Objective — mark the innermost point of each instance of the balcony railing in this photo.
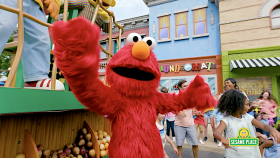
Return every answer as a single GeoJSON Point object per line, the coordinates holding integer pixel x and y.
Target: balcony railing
{"type": "Point", "coordinates": [19, 44]}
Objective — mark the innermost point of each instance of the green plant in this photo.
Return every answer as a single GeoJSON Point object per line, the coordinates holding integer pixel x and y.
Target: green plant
{"type": "Point", "coordinates": [5, 60]}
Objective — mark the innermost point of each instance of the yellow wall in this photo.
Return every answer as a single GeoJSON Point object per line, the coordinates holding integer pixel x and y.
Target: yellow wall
{"type": "Point", "coordinates": [245, 34]}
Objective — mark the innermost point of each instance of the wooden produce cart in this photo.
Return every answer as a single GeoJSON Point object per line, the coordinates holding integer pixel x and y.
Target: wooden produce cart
{"type": "Point", "coordinates": [53, 130]}
{"type": "Point", "coordinates": [29, 117]}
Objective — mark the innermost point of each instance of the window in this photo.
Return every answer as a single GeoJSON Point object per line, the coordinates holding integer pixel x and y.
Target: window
{"type": "Point", "coordinates": [171, 83]}
{"type": "Point", "coordinates": [116, 45]}
{"type": "Point", "coordinates": [164, 28]}
{"type": "Point", "coordinates": [275, 17]}
{"type": "Point", "coordinates": [212, 85]}
{"type": "Point", "coordinates": [163, 83]}
{"type": "Point", "coordinates": [102, 54]}
{"type": "Point", "coordinates": [174, 85]}
{"type": "Point", "coordinates": [200, 21]}
{"type": "Point", "coordinates": [181, 25]}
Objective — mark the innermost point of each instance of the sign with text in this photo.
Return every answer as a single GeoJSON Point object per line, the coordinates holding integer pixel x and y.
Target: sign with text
{"type": "Point", "coordinates": [243, 139]}
{"type": "Point", "coordinates": [254, 86]}
{"type": "Point", "coordinates": [188, 67]}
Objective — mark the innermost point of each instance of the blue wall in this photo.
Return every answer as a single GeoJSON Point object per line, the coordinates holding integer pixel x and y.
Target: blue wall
{"type": "Point", "coordinates": [192, 47]}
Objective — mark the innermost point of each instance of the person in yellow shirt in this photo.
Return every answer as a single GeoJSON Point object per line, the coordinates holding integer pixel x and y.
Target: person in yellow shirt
{"type": "Point", "coordinates": [87, 8]}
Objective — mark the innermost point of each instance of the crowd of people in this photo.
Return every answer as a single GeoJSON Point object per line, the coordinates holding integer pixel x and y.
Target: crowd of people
{"type": "Point", "coordinates": [233, 112]}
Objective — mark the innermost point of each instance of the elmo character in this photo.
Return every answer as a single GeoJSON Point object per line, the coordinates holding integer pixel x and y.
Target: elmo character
{"type": "Point", "coordinates": [132, 100]}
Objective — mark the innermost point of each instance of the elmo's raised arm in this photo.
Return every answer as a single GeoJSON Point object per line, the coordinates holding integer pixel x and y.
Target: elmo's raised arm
{"type": "Point", "coordinates": [77, 55]}
{"type": "Point", "coordinates": [197, 95]}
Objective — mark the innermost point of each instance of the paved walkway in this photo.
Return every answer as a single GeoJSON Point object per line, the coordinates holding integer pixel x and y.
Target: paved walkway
{"type": "Point", "coordinates": [187, 153]}
{"type": "Point", "coordinates": [209, 145]}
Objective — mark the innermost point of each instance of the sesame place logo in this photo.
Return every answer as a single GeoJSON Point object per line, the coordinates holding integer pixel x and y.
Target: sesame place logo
{"type": "Point", "coordinates": [243, 139]}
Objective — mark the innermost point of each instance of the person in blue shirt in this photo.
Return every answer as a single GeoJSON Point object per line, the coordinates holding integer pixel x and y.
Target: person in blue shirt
{"type": "Point", "coordinates": [265, 120]}
{"type": "Point", "coordinates": [272, 149]}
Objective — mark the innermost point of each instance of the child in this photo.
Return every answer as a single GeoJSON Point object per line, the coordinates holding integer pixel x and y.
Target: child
{"type": "Point", "coordinates": [217, 118]}
{"type": "Point", "coordinates": [164, 90]}
{"type": "Point", "coordinates": [265, 121]}
{"type": "Point", "coordinates": [235, 105]}
{"type": "Point", "coordinates": [262, 138]}
{"type": "Point", "coordinates": [199, 124]}
{"type": "Point", "coordinates": [164, 137]}
{"type": "Point", "coordinates": [272, 149]}
{"type": "Point", "coordinates": [170, 119]}
{"type": "Point", "coordinates": [259, 118]}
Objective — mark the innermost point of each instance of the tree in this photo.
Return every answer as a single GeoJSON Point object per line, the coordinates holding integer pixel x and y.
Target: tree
{"type": "Point", "coordinates": [5, 60]}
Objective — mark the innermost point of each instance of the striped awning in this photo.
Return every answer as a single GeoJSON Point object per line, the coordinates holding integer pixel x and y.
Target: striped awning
{"type": "Point", "coordinates": [251, 63]}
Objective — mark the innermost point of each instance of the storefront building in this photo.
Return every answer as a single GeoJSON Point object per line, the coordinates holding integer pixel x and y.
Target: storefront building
{"type": "Point", "coordinates": [209, 67]}
{"type": "Point", "coordinates": [188, 41]}
{"type": "Point", "coordinates": [255, 70]}
{"type": "Point", "coordinates": [250, 45]}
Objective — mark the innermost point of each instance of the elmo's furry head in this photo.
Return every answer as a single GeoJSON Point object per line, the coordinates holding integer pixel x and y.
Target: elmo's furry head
{"type": "Point", "coordinates": [134, 70]}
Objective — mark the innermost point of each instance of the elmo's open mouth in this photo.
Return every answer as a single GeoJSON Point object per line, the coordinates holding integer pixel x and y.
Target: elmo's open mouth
{"type": "Point", "coordinates": [134, 73]}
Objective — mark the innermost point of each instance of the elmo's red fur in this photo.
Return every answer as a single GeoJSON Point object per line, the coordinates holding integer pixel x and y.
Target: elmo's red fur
{"type": "Point", "coordinates": [130, 104]}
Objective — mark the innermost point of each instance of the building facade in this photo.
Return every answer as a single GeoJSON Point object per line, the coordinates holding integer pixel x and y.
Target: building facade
{"type": "Point", "coordinates": [138, 25]}
{"type": "Point", "coordinates": [188, 41]}
{"type": "Point", "coordinates": [250, 45]}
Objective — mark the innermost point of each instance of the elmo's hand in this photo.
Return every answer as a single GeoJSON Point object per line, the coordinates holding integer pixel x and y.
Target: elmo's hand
{"type": "Point", "coordinates": [76, 46]}
{"type": "Point", "coordinates": [77, 54]}
{"type": "Point", "coordinates": [53, 8]}
{"type": "Point", "coordinates": [199, 94]}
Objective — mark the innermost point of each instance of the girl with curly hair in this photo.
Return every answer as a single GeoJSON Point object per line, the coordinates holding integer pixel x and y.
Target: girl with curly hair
{"type": "Point", "coordinates": [235, 106]}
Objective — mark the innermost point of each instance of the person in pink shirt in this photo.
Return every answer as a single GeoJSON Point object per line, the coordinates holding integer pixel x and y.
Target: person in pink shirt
{"type": "Point", "coordinates": [184, 127]}
{"type": "Point", "coordinates": [268, 105]}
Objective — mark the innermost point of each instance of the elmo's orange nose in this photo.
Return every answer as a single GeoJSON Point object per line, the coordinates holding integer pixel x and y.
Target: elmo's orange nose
{"type": "Point", "coordinates": [141, 50]}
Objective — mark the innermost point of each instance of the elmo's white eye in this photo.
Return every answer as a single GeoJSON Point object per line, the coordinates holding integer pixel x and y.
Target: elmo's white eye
{"type": "Point", "coordinates": [133, 38]}
{"type": "Point", "coordinates": [150, 41]}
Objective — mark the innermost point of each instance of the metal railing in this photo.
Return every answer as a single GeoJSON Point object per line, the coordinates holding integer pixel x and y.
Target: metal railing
{"type": "Point", "coordinates": [22, 14]}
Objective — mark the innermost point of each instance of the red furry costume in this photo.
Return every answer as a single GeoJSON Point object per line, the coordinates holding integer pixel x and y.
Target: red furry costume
{"type": "Point", "coordinates": [132, 100]}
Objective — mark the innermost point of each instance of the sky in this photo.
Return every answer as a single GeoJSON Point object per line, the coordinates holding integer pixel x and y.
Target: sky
{"type": "Point", "coordinates": [125, 9]}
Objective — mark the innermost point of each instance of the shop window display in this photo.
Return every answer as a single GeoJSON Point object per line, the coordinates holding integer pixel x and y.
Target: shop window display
{"type": "Point", "coordinates": [171, 83]}
{"type": "Point", "coordinates": [174, 84]}
{"type": "Point", "coordinates": [181, 25]}
{"type": "Point", "coordinates": [164, 28]}
{"type": "Point", "coordinates": [254, 86]}
{"type": "Point", "coordinates": [200, 21]}
{"type": "Point", "coordinates": [163, 83]}
{"type": "Point", "coordinates": [212, 85]}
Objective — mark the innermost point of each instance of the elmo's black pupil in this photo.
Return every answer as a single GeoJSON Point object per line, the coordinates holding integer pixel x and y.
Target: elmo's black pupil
{"type": "Point", "coordinates": [135, 39]}
{"type": "Point", "coordinates": [149, 42]}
